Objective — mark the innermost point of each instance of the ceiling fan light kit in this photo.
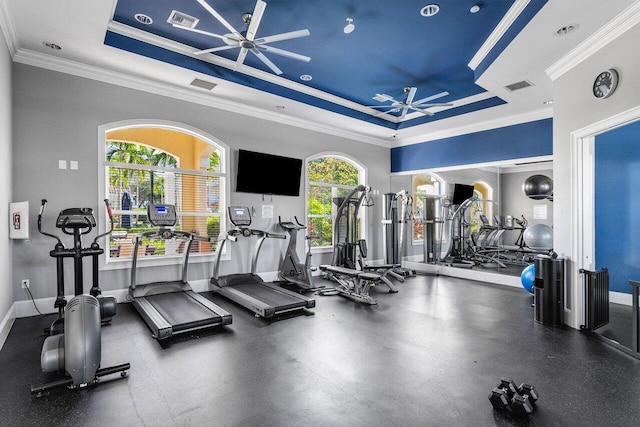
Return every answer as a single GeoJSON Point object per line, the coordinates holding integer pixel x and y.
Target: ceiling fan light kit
{"type": "Point", "coordinates": [348, 29]}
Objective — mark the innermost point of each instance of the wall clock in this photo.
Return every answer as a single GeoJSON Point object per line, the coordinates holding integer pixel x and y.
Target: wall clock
{"type": "Point", "coordinates": [605, 84]}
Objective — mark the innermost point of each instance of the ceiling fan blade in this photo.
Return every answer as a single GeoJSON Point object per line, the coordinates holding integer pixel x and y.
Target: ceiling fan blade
{"type": "Point", "coordinates": [266, 61]}
{"type": "Point", "coordinates": [215, 49]}
{"type": "Point", "coordinates": [206, 33]}
{"type": "Point", "coordinates": [240, 60]}
{"type": "Point", "coordinates": [383, 112]}
{"type": "Point", "coordinates": [283, 36]}
{"type": "Point", "coordinates": [447, 104]}
{"type": "Point", "coordinates": [425, 112]}
{"type": "Point", "coordinates": [432, 97]}
{"type": "Point", "coordinates": [382, 97]}
{"type": "Point", "coordinates": [285, 53]}
{"type": "Point", "coordinates": [219, 17]}
{"type": "Point", "coordinates": [392, 110]}
{"type": "Point", "coordinates": [404, 112]}
{"type": "Point", "coordinates": [256, 17]}
{"type": "Point", "coordinates": [411, 95]}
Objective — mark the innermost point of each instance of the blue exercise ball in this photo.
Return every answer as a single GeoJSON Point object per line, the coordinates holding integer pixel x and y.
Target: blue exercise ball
{"type": "Point", "coordinates": [527, 278]}
{"type": "Point", "coordinates": [539, 237]}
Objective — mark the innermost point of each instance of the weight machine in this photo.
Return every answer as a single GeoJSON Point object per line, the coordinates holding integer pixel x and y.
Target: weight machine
{"type": "Point", "coordinates": [348, 265]}
{"type": "Point", "coordinates": [398, 210]}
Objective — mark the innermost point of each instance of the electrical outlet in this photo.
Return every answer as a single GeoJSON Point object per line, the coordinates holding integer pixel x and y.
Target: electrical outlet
{"type": "Point", "coordinates": [25, 283]}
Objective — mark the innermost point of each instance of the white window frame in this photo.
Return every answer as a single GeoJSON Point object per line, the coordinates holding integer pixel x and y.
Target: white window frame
{"type": "Point", "coordinates": [362, 179]}
{"type": "Point", "coordinates": [102, 189]}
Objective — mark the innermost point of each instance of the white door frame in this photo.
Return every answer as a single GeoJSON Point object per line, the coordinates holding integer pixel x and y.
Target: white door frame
{"type": "Point", "coordinates": [582, 202]}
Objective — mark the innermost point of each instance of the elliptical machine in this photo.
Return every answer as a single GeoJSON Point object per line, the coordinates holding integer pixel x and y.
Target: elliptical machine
{"type": "Point", "coordinates": [74, 342]}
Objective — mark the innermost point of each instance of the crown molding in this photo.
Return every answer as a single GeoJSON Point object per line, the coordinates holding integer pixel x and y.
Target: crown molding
{"type": "Point", "coordinates": [7, 27]}
{"type": "Point", "coordinates": [39, 60]}
{"type": "Point", "coordinates": [505, 23]}
{"type": "Point", "coordinates": [605, 35]}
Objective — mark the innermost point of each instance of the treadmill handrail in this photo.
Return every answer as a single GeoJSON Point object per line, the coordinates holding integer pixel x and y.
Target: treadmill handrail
{"type": "Point", "coordinates": [232, 235]}
{"type": "Point", "coordinates": [166, 234]}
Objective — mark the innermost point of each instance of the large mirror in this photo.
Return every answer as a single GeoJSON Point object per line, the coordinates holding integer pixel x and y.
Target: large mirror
{"type": "Point", "coordinates": [480, 218]}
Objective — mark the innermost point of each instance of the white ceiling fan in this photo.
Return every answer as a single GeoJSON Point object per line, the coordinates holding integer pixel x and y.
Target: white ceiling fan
{"type": "Point", "coordinates": [408, 103]}
{"type": "Point", "coordinates": [246, 40]}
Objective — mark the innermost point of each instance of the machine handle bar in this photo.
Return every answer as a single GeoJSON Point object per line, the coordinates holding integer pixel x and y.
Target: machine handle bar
{"type": "Point", "coordinates": [111, 222]}
{"type": "Point", "coordinates": [40, 214]}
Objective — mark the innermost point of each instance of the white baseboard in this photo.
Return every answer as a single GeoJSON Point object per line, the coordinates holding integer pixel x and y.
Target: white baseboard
{"type": "Point", "coordinates": [25, 308]}
{"type": "Point", "coordinates": [620, 298]}
{"type": "Point", "coordinates": [500, 279]}
{"type": "Point", "coordinates": [465, 273]}
{"type": "Point", "coordinates": [7, 323]}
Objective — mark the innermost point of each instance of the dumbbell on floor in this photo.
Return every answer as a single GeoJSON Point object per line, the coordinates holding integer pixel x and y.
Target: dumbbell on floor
{"type": "Point", "coordinates": [516, 400]}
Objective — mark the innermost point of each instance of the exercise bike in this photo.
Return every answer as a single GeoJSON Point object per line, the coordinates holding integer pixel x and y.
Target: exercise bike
{"type": "Point", "coordinates": [73, 346]}
{"type": "Point", "coordinates": [291, 269]}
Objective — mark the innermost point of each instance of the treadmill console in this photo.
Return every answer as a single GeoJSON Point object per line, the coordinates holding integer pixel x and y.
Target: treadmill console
{"type": "Point", "coordinates": [240, 216]}
{"type": "Point", "coordinates": [161, 215]}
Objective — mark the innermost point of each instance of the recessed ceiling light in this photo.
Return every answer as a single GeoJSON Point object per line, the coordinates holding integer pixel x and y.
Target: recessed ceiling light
{"type": "Point", "coordinates": [563, 31]}
{"type": "Point", "coordinates": [305, 77]}
{"type": "Point", "coordinates": [143, 19]}
{"type": "Point", "coordinates": [52, 45]}
{"type": "Point", "coordinates": [475, 8]}
{"type": "Point", "coordinates": [430, 10]}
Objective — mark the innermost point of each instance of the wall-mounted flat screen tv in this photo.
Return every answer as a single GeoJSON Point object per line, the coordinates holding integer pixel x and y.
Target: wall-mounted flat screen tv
{"type": "Point", "coordinates": [461, 192]}
{"type": "Point", "coordinates": [263, 173]}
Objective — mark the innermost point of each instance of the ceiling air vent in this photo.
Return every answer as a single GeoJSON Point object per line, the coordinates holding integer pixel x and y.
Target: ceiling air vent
{"type": "Point", "coordinates": [143, 19]}
{"type": "Point", "coordinates": [430, 10]}
{"type": "Point", "coordinates": [519, 85]}
{"type": "Point", "coordinates": [182, 19]}
{"type": "Point", "coordinates": [202, 84]}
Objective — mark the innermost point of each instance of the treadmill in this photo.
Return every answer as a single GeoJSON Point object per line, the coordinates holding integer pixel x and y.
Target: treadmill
{"type": "Point", "coordinates": [248, 289]}
{"type": "Point", "coordinates": [172, 307]}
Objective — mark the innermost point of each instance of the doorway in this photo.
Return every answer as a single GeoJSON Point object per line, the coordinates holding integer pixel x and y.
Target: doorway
{"type": "Point", "coordinates": [601, 170]}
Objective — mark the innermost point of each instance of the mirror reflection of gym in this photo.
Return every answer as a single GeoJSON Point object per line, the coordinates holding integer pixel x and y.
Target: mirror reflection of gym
{"type": "Point", "coordinates": [499, 225]}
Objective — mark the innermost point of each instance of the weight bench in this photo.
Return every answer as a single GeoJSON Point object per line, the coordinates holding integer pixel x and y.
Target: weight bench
{"type": "Point", "coordinates": [383, 270]}
{"type": "Point", "coordinates": [354, 284]}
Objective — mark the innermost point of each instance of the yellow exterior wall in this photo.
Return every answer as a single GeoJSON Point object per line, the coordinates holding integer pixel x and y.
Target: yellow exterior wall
{"type": "Point", "coordinates": [186, 148]}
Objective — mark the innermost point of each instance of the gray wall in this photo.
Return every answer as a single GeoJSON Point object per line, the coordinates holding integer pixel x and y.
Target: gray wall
{"type": "Point", "coordinates": [6, 288]}
{"type": "Point", "coordinates": [56, 117]}
{"type": "Point", "coordinates": [516, 204]}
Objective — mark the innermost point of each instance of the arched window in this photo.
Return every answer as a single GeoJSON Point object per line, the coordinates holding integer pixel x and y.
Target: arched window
{"type": "Point", "coordinates": [159, 163]}
{"type": "Point", "coordinates": [427, 184]}
{"type": "Point", "coordinates": [329, 177]}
